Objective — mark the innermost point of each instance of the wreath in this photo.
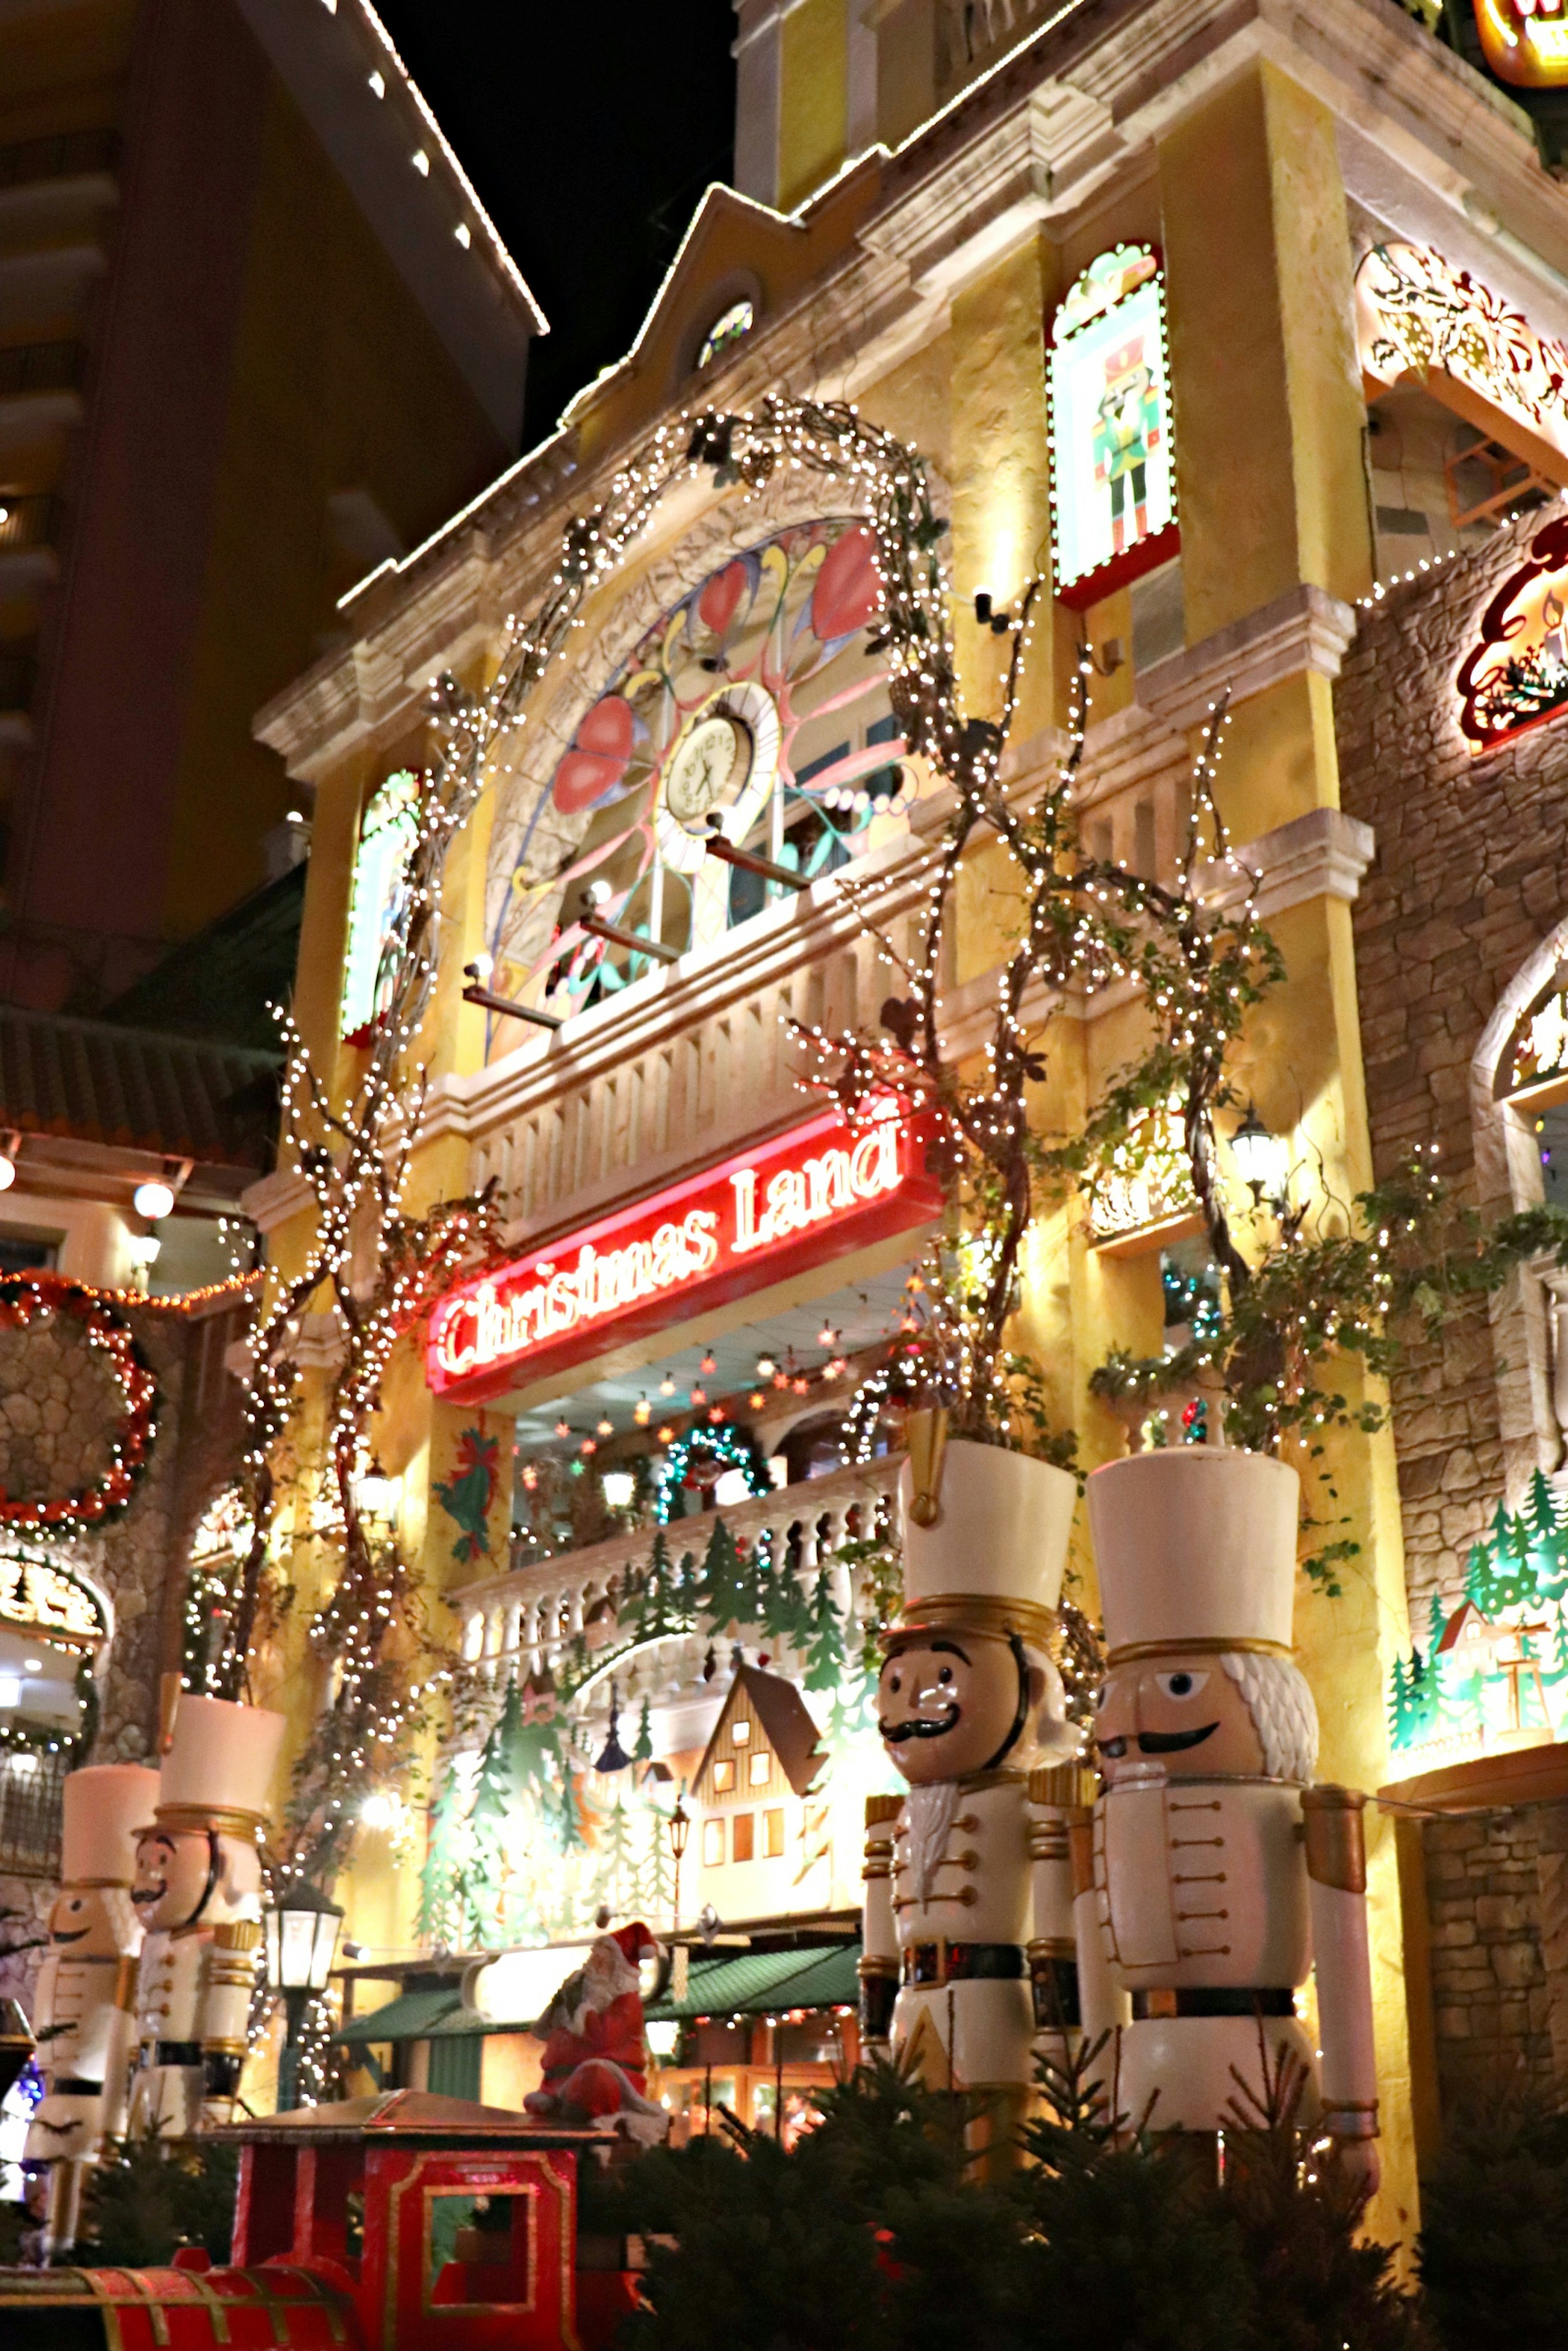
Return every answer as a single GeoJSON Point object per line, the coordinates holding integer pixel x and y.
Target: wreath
{"type": "Point", "coordinates": [27, 1297]}
{"type": "Point", "coordinates": [699, 1459]}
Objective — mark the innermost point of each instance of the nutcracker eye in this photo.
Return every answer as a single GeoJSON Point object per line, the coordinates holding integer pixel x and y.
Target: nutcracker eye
{"type": "Point", "coordinates": [1181, 1685]}
{"type": "Point", "coordinates": [945, 1673]}
{"type": "Point", "coordinates": [894, 1684]}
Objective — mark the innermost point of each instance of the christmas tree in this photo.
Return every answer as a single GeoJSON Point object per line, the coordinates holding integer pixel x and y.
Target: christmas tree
{"type": "Point", "coordinates": [722, 1593]}
{"type": "Point", "coordinates": [644, 1751]}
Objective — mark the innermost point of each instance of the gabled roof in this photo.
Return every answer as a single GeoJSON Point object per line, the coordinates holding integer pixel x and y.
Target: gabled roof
{"type": "Point", "coordinates": [786, 1722]}
{"type": "Point", "coordinates": [420, 2114]}
{"type": "Point", "coordinates": [1466, 1623]}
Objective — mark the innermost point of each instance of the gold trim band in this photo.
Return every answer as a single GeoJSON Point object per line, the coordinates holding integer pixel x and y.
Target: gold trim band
{"type": "Point", "coordinates": [229, 1820]}
{"type": "Point", "coordinates": [977, 1612]}
{"type": "Point", "coordinates": [1204, 1648]}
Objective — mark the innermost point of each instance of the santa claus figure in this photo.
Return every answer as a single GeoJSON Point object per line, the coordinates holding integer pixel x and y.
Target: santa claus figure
{"type": "Point", "coordinates": [595, 2062]}
{"type": "Point", "coordinates": [84, 2015]}
{"type": "Point", "coordinates": [1222, 1876]}
{"type": "Point", "coordinates": [199, 1892]}
{"type": "Point", "coordinates": [969, 1972]}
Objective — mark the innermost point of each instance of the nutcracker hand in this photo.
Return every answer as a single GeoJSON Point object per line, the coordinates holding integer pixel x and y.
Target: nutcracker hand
{"type": "Point", "coordinates": [1358, 2161]}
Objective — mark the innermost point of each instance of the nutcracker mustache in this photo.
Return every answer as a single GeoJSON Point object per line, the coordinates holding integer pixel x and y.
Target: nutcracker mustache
{"type": "Point", "coordinates": [921, 1726]}
{"type": "Point", "coordinates": [1159, 1742]}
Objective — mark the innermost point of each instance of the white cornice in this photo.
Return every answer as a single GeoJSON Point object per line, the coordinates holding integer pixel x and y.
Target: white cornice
{"type": "Point", "coordinates": [1302, 630]}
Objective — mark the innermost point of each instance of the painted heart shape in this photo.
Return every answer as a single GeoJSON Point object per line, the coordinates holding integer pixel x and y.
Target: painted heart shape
{"type": "Point", "coordinates": [597, 760]}
{"type": "Point", "coordinates": [720, 596]}
{"type": "Point", "coordinates": [848, 593]}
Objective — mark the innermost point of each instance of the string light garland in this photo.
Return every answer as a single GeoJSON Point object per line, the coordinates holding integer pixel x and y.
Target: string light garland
{"type": "Point", "coordinates": [28, 1298]}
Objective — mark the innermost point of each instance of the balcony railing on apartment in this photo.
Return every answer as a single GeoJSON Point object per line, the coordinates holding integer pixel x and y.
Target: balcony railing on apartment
{"type": "Point", "coordinates": [17, 670]}
{"type": "Point", "coordinates": [41, 367]}
{"type": "Point", "coordinates": [68, 155]}
{"type": "Point", "coordinates": [524, 1620]}
{"type": "Point", "coordinates": [31, 1809]}
{"type": "Point", "coordinates": [28, 522]}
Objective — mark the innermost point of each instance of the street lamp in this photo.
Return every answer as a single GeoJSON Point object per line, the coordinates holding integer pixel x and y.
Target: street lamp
{"type": "Point", "coordinates": [300, 1938]}
{"type": "Point", "coordinates": [680, 1828]}
{"type": "Point", "coordinates": [1259, 1155]}
{"type": "Point", "coordinates": [375, 1496]}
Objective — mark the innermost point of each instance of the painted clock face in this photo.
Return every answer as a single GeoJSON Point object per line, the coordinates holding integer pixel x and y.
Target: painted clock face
{"type": "Point", "coordinates": [709, 770]}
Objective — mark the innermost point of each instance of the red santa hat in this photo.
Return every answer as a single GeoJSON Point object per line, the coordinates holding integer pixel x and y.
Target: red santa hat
{"type": "Point", "coordinates": [632, 1941]}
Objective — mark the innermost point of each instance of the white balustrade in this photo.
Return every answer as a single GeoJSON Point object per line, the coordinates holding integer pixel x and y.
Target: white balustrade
{"type": "Point", "coordinates": [524, 1620]}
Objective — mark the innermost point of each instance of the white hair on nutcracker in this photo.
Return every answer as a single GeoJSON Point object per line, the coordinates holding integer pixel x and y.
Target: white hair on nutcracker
{"type": "Point", "coordinates": [1283, 1712]}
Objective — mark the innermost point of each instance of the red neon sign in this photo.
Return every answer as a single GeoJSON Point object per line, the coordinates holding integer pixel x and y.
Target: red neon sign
{"type": "Point", "coordinates": [814, 1193]}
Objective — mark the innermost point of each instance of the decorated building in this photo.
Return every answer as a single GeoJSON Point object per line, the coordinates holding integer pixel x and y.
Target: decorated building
{"type": "Point", "coordinates": [1231, 347]}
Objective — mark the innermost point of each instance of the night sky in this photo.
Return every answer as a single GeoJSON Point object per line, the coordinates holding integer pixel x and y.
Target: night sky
{"type": "Point", "coordinates": [589, 131]}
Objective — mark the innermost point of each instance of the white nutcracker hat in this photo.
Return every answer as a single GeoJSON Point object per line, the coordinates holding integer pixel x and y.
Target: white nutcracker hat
{"type": "Point", "coordinates": [105, 1805]}
{"type": "Point", "coordinates": [1196, 1551]}
{"type": "Point", "coordinates": [985, 1535]}
{"type": "Point", "coordinates": [218, 1760]}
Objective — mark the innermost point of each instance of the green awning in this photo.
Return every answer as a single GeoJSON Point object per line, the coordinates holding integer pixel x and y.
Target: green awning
{"type": "Point", "coordinates": [413, 2016]}
{"type": "Point", "coordinates": [762, 1983]}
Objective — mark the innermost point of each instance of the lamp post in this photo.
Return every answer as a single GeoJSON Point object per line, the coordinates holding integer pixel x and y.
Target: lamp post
{"type": "Point", "coordinates": [1259, 1155]}
{"type": "Point", "coordinates": [301, 1940]}
{"type": "Point", "coordinates": [375, 1497]}
{"type": "Point", "coordinates": [680, 1828]}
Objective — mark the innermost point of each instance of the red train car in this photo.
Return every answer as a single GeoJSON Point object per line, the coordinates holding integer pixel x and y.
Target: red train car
{"type": "Point", "coordinates": [404, 2223]}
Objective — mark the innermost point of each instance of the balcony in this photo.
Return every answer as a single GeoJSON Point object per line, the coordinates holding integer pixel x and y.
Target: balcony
{"type": "Point", "coordinates": [526, 1620]}
{"type": "Point", "coordinates": [68, 155]}
{"type": "Point", "coordinates": [29, 527]}
{"type": "Point", "coordinates": [31, 1810]}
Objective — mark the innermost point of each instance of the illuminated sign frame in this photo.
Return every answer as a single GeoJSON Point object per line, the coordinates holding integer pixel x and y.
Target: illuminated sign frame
{"type": "Point", "coordinates": [1112, 450]}
{"type": "Point", "coordinates": [39, 1595]}
{"type": "Point", "coordinates": [811, 1194]}
{"type": "Point", "coordinates": [1515, 676]}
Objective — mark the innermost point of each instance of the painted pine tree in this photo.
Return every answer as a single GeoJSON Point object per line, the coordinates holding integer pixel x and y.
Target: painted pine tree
{"type": "Point", "coordinates": [643, 1753]}
{"type": "Point", "coordinates": [618, 1873]}
{"type": "Point", "coordinates": [826, 1658]}
{"type": "Point", "coordinates": [656, 1882]}
{"type": "Point", "coordinates": [442, 1878]}
{"type": "Point", "coordinates": [490, 1824]}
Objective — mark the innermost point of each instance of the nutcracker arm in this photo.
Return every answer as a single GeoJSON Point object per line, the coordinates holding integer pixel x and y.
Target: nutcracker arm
{"type": "Point", "coordinates": [1337, 1871]}
{"type": "Point", "coordinates": [1102, 2003]}
{"type": "Point", "coordinates": [1054, 1794]}
{"type": "Point", "coordinates": [879, 1961]}
{"type": "Point", "coordinates": [222, 2009]}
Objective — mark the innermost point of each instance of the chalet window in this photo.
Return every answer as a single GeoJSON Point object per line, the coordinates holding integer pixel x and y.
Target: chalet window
{"type": "Point", "coordinates": [773, 1833]}
{"type": "Point", "coordinates": [761, 1772]}
{"type": "Point", "coordinates": [713, 1843]}
{"type": "Point", "coordinates": [724, 1775]}
{"type": "Point", "coordinates": [740, 1730]}
{"type": "Point", "coordinates": [745, 1833]}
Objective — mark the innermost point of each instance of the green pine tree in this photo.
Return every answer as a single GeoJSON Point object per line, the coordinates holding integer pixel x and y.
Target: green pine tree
{"type": "Point", "coordinates": [488, 1818]}
{"type": "Point", "coordinates": [644, 1751]}
{"type": "Point", "coordinates": [441, 1897]}
{"type": "Point", "coordinates": [721, 1597]}
{"type": "Point", "coordinates": [825, 1653]}
{"type": "Point", "coordinates": [656, 1881]}
{"type": "Point", "coordinates": [620, 1861]}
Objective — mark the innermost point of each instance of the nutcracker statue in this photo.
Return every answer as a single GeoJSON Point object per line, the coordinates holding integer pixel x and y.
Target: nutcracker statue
{"type": "Point", "coordinates": [87, 1986]}
{"type": "Point", "coordinates": [969, 1969]}
{"type": "Point", "coordinates": [1126, 434]}
{"type": "Point", "coordinates": [1220, 1873]}
{"type": "Point", "coordinates": [198, 1889]}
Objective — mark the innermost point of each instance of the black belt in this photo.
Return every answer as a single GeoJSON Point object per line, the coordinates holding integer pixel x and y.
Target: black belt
{"type": "Point", "coordinates": [1213, 2000]}
{"type": "Point", "coordinates": [178, 2052]}
{"type": "Point", "coordinates": [932, 1965]}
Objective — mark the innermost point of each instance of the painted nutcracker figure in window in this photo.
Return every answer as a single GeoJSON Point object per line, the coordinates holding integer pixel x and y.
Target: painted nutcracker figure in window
{"type": "Point", "coordinates": [84, 2016]}
{"type": "Point", "coordinates": [199, 1892]}
{"type": "Point", "coordinates": [1127, 427]}
{"type": "Point", "coordinates": [1222, 1876]}
{"type": "Point", "coordinates": [969, 1969]}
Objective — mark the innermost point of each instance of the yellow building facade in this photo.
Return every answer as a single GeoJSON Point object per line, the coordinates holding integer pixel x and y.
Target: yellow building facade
{"type": "Point", "coordinates": [913, 217]}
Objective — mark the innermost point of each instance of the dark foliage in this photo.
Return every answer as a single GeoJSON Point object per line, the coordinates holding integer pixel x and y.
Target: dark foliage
{"type": "Point", "coordinates": [1494, 2236]}
{"type": "Point", "coordinates": [140, 2209]}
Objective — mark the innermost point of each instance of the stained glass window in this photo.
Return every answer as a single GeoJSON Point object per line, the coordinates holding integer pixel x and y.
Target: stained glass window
{"type": "Point", "coordinates": [731, 327]}
{"type": "Point", "coordinates": [755, 701]}
{"type": "Point", "coordinates": [386, 836]}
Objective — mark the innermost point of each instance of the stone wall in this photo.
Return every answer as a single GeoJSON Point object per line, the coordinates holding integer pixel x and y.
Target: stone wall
{"type": "Point", "coordinates": [1469, 875]}
{"type": "Point", "coordinates": [1499, 1956]}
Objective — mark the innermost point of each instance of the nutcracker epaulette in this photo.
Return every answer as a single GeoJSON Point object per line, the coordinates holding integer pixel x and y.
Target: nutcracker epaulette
{"type": "Point", "coordinates": [238, 1935]}
{"type": "Point", "coordinates": [880, 1810]}
{"type": "Point", "coordinates": [1067, 1785]}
